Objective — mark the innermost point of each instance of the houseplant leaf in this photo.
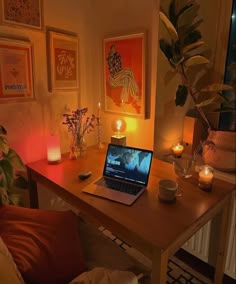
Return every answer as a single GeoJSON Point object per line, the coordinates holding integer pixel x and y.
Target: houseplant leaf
{"type": "Point", "coordinates": [190, 38]}
{"type": "Point", "coordinates": [166, 48]}
{"type": "Point", "coordinates": [15, 160]}
{"type": "Point", "coordinates": [216, 88]}
{"type": "Point", "coordinates": [180, 5]}
{"type": "Point", "coordinates": [188, 15]}
{"type": "Point", "coordinates": [169, 26]}
{"type": "Point", "coordinates": [7, 174]}
{"type": "Point", "coordinates": [192, 46]}
{"type": "Point", "coordinates": [3, 144]}
{"type": "Point", "coordinates": [181, 95]}
{"type": "Point", "coordinates": [196, 60]}
{"type": "Point", "coordinates": [4, 199]}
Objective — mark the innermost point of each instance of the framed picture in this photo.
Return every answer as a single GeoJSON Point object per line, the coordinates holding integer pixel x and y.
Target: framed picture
{"type": "Point", "coordinates": [124, 74]}
{"type": "Point", "coordinates": [62, 61]}
{"type": "Point", "coordinates": [16, 77]}
{"type": "Point", "coordinates": [23, 13]}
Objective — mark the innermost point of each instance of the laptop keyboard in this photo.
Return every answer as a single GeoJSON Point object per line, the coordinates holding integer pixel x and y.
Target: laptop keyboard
{"type": "Point", "coordinates": [119, 186]}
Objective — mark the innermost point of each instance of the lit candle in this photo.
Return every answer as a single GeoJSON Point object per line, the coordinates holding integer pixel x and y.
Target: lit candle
{"type": "Point", "coordinates": [99, 110]}
{"type": "Point", "coordinates": [53, 150]}
{"type": "Point", "coordinates": [178, 149]}
{"type": "Point", "coordinates": [205, 177]}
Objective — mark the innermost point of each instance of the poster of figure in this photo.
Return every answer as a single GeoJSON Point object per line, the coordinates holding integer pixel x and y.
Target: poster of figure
{"type": "Point", "coordinates": [16, 79]}
{"type": "Point", "coordinates": [124, 73]}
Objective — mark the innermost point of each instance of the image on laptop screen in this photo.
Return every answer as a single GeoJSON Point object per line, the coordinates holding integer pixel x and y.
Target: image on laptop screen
{"type": "Point", "coordinates": [128, 163]}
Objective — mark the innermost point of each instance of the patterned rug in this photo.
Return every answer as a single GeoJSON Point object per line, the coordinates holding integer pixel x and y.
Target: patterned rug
{"type": "Point", "coordinates": [178, 272]}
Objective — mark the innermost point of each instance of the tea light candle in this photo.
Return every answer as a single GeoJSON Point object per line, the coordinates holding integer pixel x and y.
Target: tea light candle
{"type": "Point", "coordinates": [205, 177]}
{"type": "Point", "coordinates": [178, 149]}
{"type": "Point", "coordinates": [53, 150]}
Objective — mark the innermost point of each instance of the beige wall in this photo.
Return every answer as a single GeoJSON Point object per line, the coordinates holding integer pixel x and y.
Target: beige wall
{"type": "Point", "coordinates": [29, 123]}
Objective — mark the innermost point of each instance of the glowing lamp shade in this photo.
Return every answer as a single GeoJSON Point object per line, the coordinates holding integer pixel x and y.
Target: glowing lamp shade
{"type": "Point", "coordinates": [53, 149]}
{"type": "Point", "coordinates": [118, 126]}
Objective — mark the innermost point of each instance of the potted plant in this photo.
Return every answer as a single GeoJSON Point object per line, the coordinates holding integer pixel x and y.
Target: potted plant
{"type": "Point", "coordinates": [12, 172]}
{"type": "Point", "coordinates": [184, 50]}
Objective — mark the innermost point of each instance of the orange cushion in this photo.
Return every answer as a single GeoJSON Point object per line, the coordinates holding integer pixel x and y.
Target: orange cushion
{"type": "Point", "coordinates": [44, 244]}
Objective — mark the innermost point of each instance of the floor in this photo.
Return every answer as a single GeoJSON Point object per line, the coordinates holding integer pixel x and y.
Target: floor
{"type": "Point", "coordinates": [201, 266]}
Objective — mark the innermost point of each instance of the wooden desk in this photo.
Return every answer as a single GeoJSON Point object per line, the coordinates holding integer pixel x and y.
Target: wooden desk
{"type": "Point", "coordinates": [157, 229]}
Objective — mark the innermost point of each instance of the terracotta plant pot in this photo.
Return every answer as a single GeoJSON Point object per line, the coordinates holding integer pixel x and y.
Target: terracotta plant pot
{"type": "Point", "coordinates": [223, 157]}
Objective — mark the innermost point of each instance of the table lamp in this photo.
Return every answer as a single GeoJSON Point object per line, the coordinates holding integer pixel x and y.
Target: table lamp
{"type": "Point", "coordinates": [118, 126]}
{"type": "Point", "coordinates": [53, 150]}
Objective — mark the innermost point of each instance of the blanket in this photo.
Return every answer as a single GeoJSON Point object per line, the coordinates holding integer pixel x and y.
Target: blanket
{"type": "Point", "coordinates": [100, 275]}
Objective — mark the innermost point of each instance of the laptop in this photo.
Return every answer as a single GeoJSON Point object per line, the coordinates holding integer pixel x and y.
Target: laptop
{"type": "Point", "coordinates": [125, 174]}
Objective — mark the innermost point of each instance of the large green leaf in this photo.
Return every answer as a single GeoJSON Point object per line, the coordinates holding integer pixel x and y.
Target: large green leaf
{"type": "Point", "coordinates": [196, 60]}
{"type": "Point", "coordinates": [191, 37]}
{"type": "Point", "coordinates": [185, 30]}
{"type": "Point", "coordinates": [7, 174]}
{"type": "Point", "coordinates": [3, 144]}
{"type": "Point", "coordinates": [169, 26]}
{"type": "Point", "coordinates": [188, 15]}
{"type": "Point", "coordinates": [4, 199]}
{"type": "Point", "coordinates": [166, 48]}
{"type": "Point", "coordinates": [216, 88]}
{"type": "Point", "coordinates": [192, 46]}
{"type": "Point", "coordinates": [15, 160]}
{"type": "Point", "coordinates": [180, 5]}
{"type": "Point", "coordinates": [3, 130]}
{"type": "Point", "coordinates": [214, 100]}
{"type": "Point", "coordinates": [172, 14]}
{"type": "Point", "coordinates": [181, 95]}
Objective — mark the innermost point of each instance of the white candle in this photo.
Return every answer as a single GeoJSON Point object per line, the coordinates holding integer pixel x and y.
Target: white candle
{"type": "Point", "coordinates": [205, 175]}
{"type": "Point", "coordinates": [178, 149]}
{"type": "Point", "coordinates": [99, 110]}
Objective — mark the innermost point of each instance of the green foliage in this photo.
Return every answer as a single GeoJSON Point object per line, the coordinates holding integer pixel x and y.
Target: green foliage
{"type": "Point", "coordinates": [181, 95]}
{"type": "Point", "coordinates": [183, 51]}
{"type": "Point", "coordinates": [10, 167]}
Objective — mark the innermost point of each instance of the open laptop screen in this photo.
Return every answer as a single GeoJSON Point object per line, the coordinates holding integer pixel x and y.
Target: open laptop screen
{"type": "Point", "coordinates": [128, 163]}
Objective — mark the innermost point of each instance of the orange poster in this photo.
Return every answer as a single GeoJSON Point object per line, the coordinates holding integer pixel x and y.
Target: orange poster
{"type": "Point", "coordinates": [125, 74]}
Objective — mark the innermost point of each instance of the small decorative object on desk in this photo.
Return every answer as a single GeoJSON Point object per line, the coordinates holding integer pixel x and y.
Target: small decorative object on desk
{"type": "Point", "coordinates": [177, 150]}
{"type": "Point", "coordinates": [206, 174]}
{"type": "Point", "coordinates": [184, 166]}
{"type": "Point", "coordinates": [79, 125]}
{"type": "Point", "coordinates": [99, 123]}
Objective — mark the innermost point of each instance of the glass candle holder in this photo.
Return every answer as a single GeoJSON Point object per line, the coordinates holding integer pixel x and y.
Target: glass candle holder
{"type": "Point", "coordinates": [177, 150]}
{"type": "Point", "coordinates": [205, 179]}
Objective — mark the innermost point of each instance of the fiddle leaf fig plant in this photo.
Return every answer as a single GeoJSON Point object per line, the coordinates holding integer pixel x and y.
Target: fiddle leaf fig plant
{"type": "Point", "coordinates": [184, 51]}
{"type": "Point", "coordinates": [12, 172]}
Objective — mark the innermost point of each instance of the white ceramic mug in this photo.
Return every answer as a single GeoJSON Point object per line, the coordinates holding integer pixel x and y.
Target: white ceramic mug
{"type": "Point", "coordinates": [169, 190]}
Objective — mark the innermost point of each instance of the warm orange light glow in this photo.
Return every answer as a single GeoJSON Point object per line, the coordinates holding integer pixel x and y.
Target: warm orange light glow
{"type": "Point", "coordinates": [205, 175]}
{"type": "Point", "coordinates": [132, 125]}
{"type": "Point", "coordinates": [99, 110]}
{"type": "Point", "coordinates": [178, 149]}
{"type": "Point", "coordinates": [53, 149]}
{"type": "Point", "coordinates": [118, 126]}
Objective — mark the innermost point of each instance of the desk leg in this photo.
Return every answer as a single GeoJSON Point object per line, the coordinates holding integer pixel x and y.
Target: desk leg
{"type": "Point", "coordinates": [224, 230]}
{"type": "Point", "coordinates": [159, 267]}
{"type": "Point", "coordinates": [33, 192]}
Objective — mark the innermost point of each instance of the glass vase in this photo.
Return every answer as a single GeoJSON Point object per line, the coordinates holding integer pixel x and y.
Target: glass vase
{"type": "Point", "coordinates": [78, 147]}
